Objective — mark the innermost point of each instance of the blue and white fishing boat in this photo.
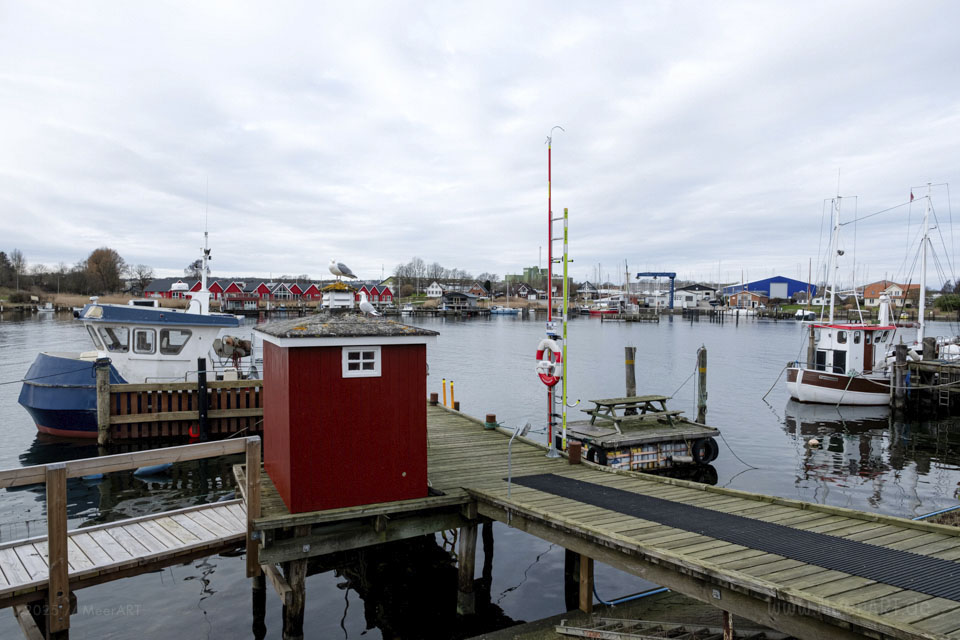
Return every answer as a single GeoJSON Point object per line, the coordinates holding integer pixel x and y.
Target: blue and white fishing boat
{"type": "Point", "coordinates": [142, 344]}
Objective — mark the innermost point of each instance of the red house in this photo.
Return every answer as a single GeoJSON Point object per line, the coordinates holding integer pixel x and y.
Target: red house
{"type": "Point", "coordinates": [262, 291]}
{"type": "Point", "coordinates": [295, 291]}
{"type": "Point", "coordinates": [326, 445]}
{"type": "Point", "coordinates": [312, 293]}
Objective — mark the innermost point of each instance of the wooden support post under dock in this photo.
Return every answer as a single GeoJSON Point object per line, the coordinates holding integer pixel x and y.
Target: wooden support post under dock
{"type": "Point", "coordinates": [586, 584]}
{"type": "Point", "coordinates": [727, 626]}
{"type": "Point", "coordinates": [252, 495]}
{"type": "Point", "coordinates": [259, 606]}
{"type": "Point", "coordinates": [702, 385]}
{"type": "Point", "coordinates": [58, 591]}
{"type": "Point", "coordinates": [466, 563]}
{"type": "Point", "coordinates": [103, 401]}
{"type": "Point", "coordinates": [295, 573]}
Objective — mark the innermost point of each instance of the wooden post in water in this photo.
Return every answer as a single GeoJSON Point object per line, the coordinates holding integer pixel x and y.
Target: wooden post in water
{"type": "Point", "coordinates": [295, 572]}
{"type": "Point", "coordinates": [811, 347]}
{"type": "Point", "coordinates": [102, 366]}
{"type": "Point", "coordinates": [58, 591]}
{"type": "Point", "coordinates": [586, 584]}
{"type": "Point", "coordinates": [571, 579]}
{"type": "Point", "coordinates": [259, 627]}
{"type": "Point", "coordinates": [702, 385]}
{"type": "Point", "coordinates": [629, 360]}
{"type": "Point", "coordinates": [466, 564]}
{"type": "Point", "coordinates": [899, 385]}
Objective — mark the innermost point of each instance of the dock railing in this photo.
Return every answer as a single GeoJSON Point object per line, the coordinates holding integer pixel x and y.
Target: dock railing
{"type": "Point", "coordinates": [55, 475]}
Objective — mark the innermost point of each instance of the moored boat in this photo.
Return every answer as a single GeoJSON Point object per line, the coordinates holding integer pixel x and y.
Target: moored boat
{"type": "Point", "coordinates": [140, 344]}
{"type": "Point", "coordinates": [504, 311]}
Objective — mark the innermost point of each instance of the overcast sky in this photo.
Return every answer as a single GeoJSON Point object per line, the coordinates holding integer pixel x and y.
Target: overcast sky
{"type": "Point", "coordinates": [699, 135]}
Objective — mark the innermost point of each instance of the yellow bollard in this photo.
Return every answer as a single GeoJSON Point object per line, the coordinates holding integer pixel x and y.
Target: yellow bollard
{"type": "Point", "coordinates": [444, 392]}
{"type": "Point", "coordinates": [451, 393]}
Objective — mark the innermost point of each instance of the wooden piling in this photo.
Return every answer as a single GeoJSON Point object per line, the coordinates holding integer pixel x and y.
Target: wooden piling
{"type": "Point", "coordinates": [630, 369]}
{"type": "Point", "coordinates": [466, 563]}
{"type": "Point", "coordinates": [929, 349]}
{"type": "Point", "coordinates": [702, 385]}
{"type": "Point", "coordinates": [58, 591]}
{"type": "Point", "coordinates": [727, 626]}
{"type": "Point", "coordinates": [571, 579]}
{"type": "Point", "coordinates": [102, 366]}
{"type": "Point", "coordinates": [586, 584]}
{"type": "Point", "coordinates": [295, 572]}
{"type": "Point", "coordinates": [259, 606]}
{"type": "Point", "coordinates": [900, 369]}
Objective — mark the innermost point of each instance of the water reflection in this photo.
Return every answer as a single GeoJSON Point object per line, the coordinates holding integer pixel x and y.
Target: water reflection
{"type": "Point", "coordinates": [408, 589]}
{"type": "Point", "coordinates": [870, 447]}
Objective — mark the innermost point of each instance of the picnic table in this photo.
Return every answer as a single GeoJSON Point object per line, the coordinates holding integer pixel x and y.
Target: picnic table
{"type": "Point", "coordinates": [631, 408]}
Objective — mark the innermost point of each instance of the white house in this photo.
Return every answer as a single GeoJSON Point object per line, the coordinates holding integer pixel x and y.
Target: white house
{"type": "Point", "coordinates": [434, 290]}
{"type": "Point", "coordinates": [692, 295]}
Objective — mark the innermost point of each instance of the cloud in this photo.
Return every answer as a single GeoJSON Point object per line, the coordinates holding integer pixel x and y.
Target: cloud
{"type": "Point", "coordinates": [695, 135]}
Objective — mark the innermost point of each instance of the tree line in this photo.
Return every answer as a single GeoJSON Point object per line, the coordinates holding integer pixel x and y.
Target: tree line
{"type": "Point", "coordinates": [102, 272]}
{"type": "Point", "coordinates": [416, 275]}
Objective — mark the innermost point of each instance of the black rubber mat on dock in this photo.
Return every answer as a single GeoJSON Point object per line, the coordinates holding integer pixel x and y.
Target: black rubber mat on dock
{"type": "Point", "coordinates": [932, 576]}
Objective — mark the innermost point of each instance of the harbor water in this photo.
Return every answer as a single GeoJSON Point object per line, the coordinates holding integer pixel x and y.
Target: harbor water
{"type": "Point", "coordinates": [866, 461]}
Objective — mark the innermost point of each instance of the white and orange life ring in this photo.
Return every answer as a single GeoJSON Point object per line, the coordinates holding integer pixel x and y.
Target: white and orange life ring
{"type": "Point", "coordinates": [549, 362]}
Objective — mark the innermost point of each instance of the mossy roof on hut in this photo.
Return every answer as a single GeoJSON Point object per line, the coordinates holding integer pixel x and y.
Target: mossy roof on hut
{"type": "Point", "coordinates": [340, 325]}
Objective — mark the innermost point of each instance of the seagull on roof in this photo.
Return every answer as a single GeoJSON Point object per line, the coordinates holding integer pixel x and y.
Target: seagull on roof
{"type": "Point", "coordinates": [366, 307]}
{"type": "Point", "coordinates": [339, 269]}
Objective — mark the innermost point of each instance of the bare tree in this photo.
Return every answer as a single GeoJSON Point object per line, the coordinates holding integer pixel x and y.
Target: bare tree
{"type": "Point", "coordinates": [142, 275]}
{"type": "Point", "coordinates": [18, 263]}
{"type": "Point", "coordinates": [435, 271]}
{"type": "Point", "coordinates": [195, 269]}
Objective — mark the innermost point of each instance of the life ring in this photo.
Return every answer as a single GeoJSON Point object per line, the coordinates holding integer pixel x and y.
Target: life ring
{"type": "Point", "coordinates": [549, 362]}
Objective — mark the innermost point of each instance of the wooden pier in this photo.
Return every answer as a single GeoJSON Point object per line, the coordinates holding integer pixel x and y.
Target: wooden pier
{"type": "Point", "coordinates": [644, 315]}
{"type": "Point", "coordinates": [808, 570]}
{"type": "Point", "coordinates": [40, 574]}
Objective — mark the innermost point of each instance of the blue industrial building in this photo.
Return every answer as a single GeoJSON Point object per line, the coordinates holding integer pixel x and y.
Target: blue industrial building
{"type": "Point", "coordinates": [775, 287]}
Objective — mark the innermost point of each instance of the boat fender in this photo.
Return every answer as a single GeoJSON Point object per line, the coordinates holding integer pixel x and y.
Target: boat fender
{"type": "Point", "coordinates": [550, 360]}
{"type": "Point", "coordinates": [704, 450]}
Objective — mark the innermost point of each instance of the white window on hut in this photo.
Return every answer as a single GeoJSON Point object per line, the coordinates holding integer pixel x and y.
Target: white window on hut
{"type": "Point", "coordinates": [361, 362]}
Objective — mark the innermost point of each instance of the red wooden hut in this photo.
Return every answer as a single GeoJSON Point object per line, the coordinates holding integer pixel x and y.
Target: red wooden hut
{"type": "Point", "coordinates": [326, 445]}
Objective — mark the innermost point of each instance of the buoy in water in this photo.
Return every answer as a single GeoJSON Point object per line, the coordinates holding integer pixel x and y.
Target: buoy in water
{"type": "Point", "coordinates": [813, 443]}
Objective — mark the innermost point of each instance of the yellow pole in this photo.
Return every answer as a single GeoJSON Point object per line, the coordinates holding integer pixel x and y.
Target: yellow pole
{"type": "Point", "coordinates": [451, 394]}
{"type": "Point", "coordinates": [444, 392]}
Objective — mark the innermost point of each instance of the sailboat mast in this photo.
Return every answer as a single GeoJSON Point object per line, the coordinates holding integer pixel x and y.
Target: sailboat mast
{"type": "Point", "coordinates": [832, 263]}
{"type": "Point", "coordinates": [923, 267]}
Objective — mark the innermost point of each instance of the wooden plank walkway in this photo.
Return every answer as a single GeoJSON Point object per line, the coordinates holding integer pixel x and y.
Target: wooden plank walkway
{"type": "Point", "coordinates": [795, 597]}
{"type": "Point", "coordinates": [115, 550]}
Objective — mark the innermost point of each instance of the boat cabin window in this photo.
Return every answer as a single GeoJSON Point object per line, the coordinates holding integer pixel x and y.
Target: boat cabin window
{"type": "Point", "coordinates": [172, 341]}
{"type": "Point", "coordinates": [839, 362]}
{"type": "Point", "coordinates": [816, 335]}
{"type": "Point", "coordinates": [821, 363]}
{"type": "Point", "coordinates": [116, 339]}
{"type": "Point", "coordinates": [841, 337]}
{"type": "Point", "coordinates": [144, 341]}
{"type": "Point", "coordinates": [868, 337]}
{"type": "Point", "coordinates": [856, 337]}
{"type": "Point", "coordinates": [97, 342]}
